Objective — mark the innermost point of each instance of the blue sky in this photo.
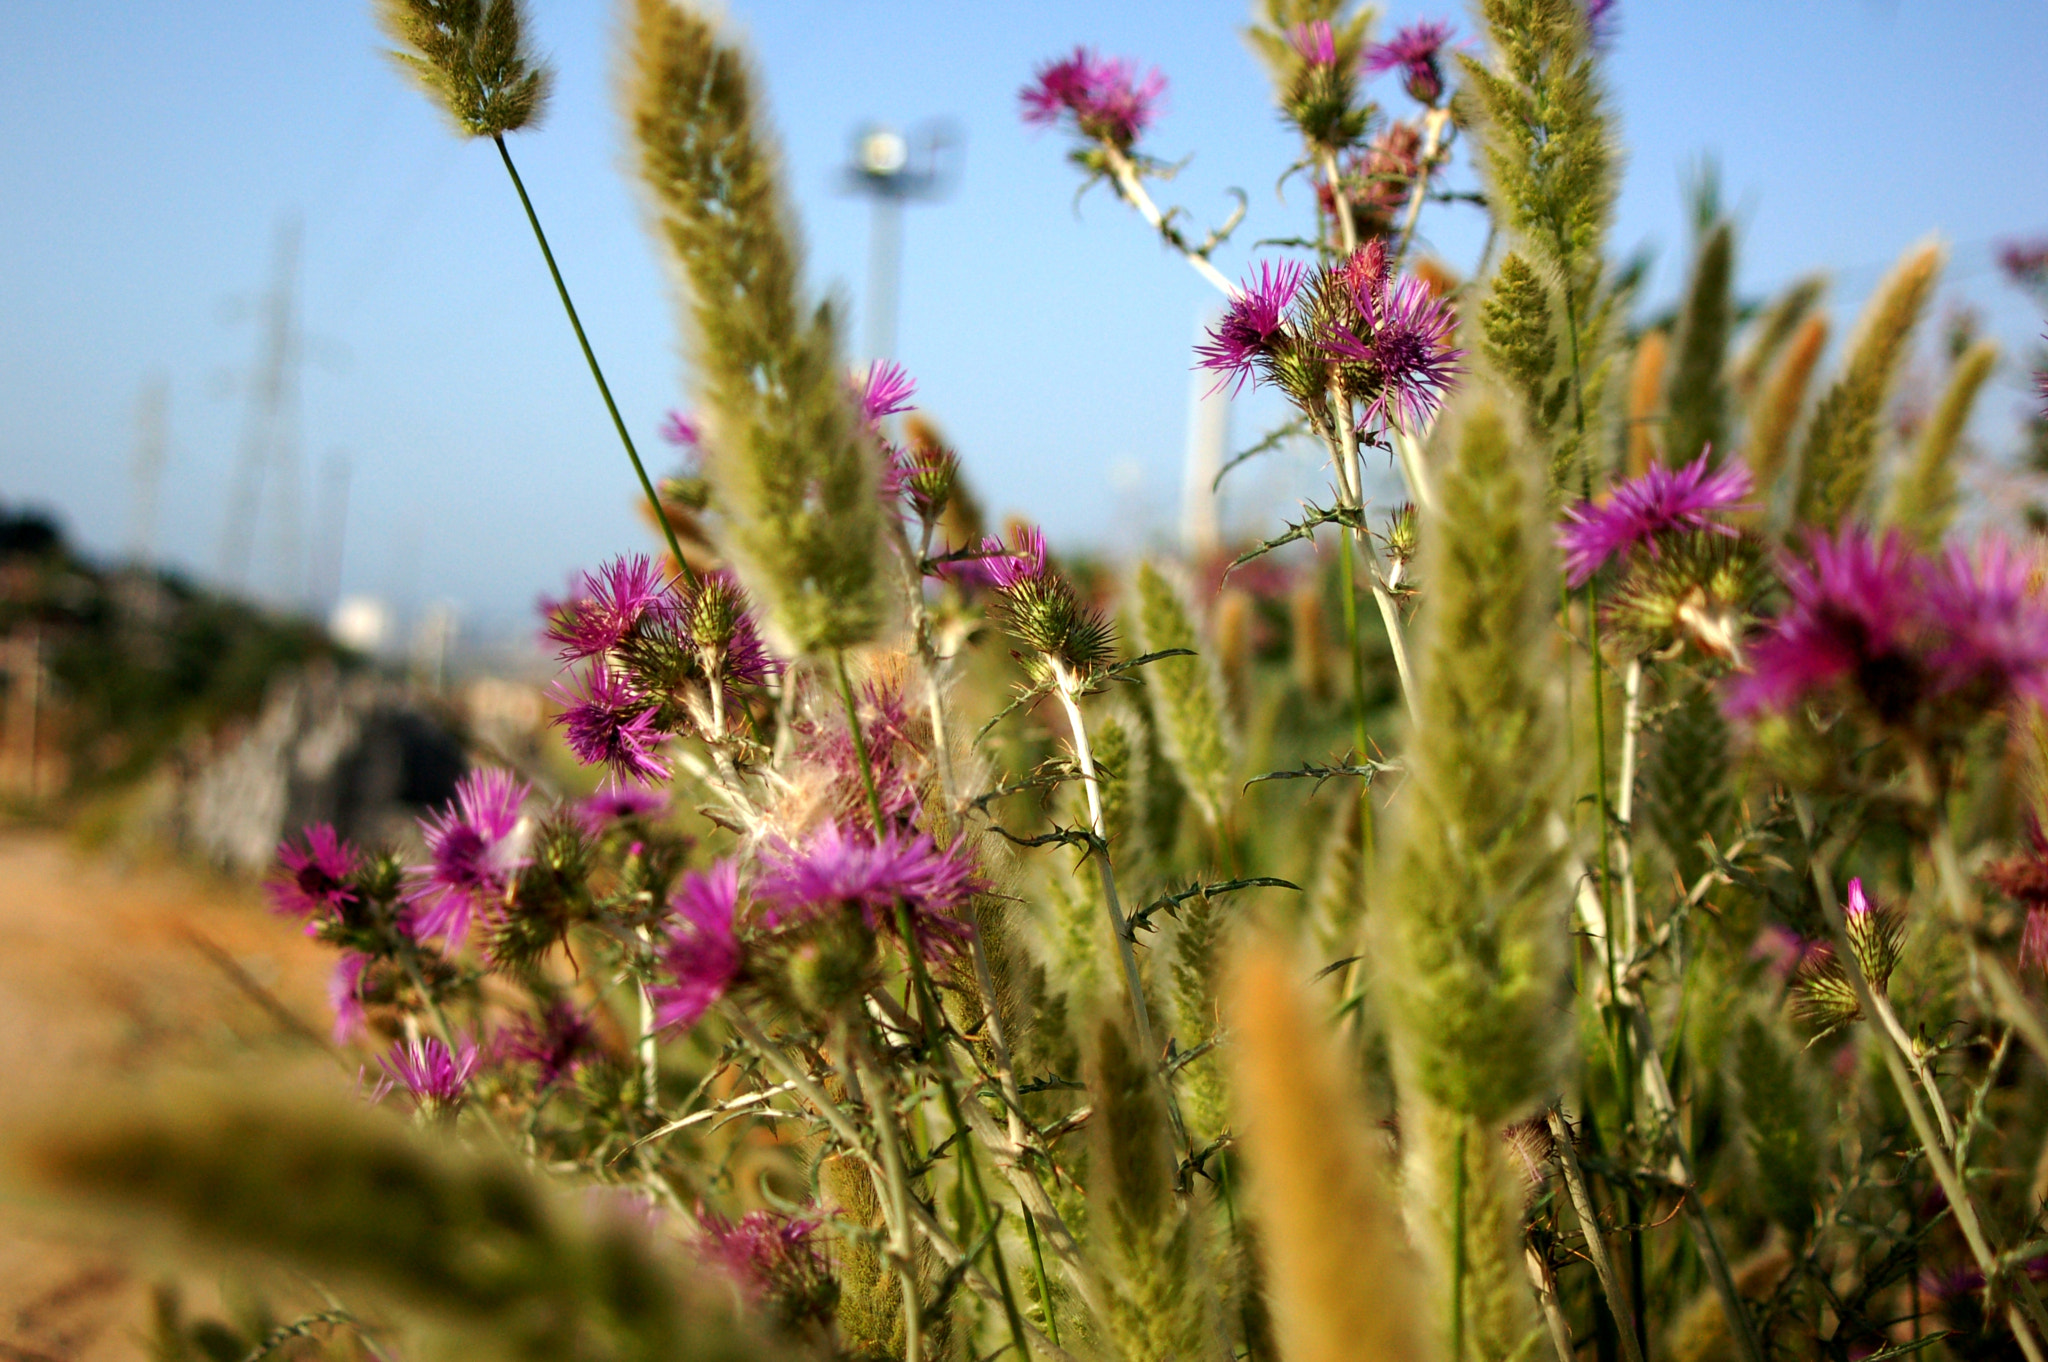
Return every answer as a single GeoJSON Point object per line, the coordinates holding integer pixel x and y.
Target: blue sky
{"type": "Point", "coordinates": [155, 145]}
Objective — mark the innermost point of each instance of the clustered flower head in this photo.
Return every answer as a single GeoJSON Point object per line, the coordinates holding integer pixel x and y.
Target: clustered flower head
{"type": "Point", "coordinates": [1416, 52]}
{"type": "Point", "coordinates": [313, 882]}
{"type": "Point", "coordinates": [1039, 607]}
{"type": "Point", "coordinates": [1644, 511]}
{"type": "Point", "coordinates": [1322, 100]}
{"type": "Point", "coordinates": [776, 1263]}
{"type": "Point", "coordinates": [1911, 640]}
{"type": "Point", "coordinates": [885, 390]}
{"type": "Point", "coordinates": [835, 871]}
{"type": "Point", "coordinates": [1386, 341]}
{"type": "Point", "coordinates": [1823, 993]}
{"type": "Point", "coordinates": [437, 1078]}
{"type": "Point", "coordinates": [475, 847]}
{"type": "Point", "coordinates": [556, 1043]}
{"type": "Point", "coordinates": [700, 956]}
{"type": "Point", "coordinates": [1104, 97]}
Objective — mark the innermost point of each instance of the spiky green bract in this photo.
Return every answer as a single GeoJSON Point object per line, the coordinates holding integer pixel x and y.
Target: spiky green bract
{"type": "Point", "coordinates": [1923, 498]}
{"type": "Point", "coordinates": [1276, 19]}
{"type": "Point", "coordinates": [1698, 594]}
{"type": "Point", "coordinates": [1187, 696]}
{"type": "Point", "coordinates": [351, 1196]}
{"type": "Point", "coordinates": [1841, 445]}
{"type": "Point", "coordinates": [1696, 394]}
{"type": "Point", "coordinates": [794, 473]}
{"type": "Point", "coordinates": [1160, 1296]}
{"type": "Point", "coordinates": [471, 58]}
{"type": "Point", "coordinates": [1773, 329]}
{"type": "Point", "coordinates": [1469, 956]}
{"type": "Point", "coordinates": [1538, 109]}
{"type": "Point", "coordinates": [1777, 1107]}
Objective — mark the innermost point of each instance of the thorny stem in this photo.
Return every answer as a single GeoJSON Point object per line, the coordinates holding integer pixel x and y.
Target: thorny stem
{"type": "Point", "coordinates": [1067, 687]}
{"type": "Point", "coordinates": [1133, 190]}
{"type": "Point", "coordinates": [2025, 1316]}
{"type": "Point", "coordinates": [1544, 1283]}
{"type": "Point", "coordinates": [1596, 1239]}
{"type": "Point", "coordinates": [1340, 203]}
{"type": "Point", "coordinates": [618, 422]}
{"type": "Point", "coordinates": [1354, 489]}
{"type": "Point", "coordinates": [1625, 802]}
{"type": "Point", "coordinates": [1435, 122]}
{"type": "Point", "coordinates": [650, 1053]}
{"type": "Point", "coordinates": [1881, 1008]}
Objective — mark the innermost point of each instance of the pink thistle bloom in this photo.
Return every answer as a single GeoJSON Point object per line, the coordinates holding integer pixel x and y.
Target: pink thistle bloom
{"type": "Point", "coordinates": [607, 723]}
{"type": "Point", "coordinates": [1103, 96]}
{"type": "Point", "coordinates": [700, 957]}
{"type": "Point", "coordinates": [836, 871]}
{"type": "Point", "coordinates": [1249, 325]}
{"type": "Point", "coordinates": [885, 390]}
{"type": "Point", "coordinates": [1993, 625]}
{"type": "Point", "coordinates": [612, 603]}
{"type": "Point", "coordinates": [681, 431]}
{"type": "Point", "coordinates": [1661, 501]}
{"type": "Point", "coordinates": [313, 879]}
{"type": "Point", "coordinates": [775, 1262]}
{"type": "Point", "coordinates": [557, 1043]}
{"type": "Point", "coordinates": [1000, 566]}
{"type": "Point", "coordinates": [345, 995]}
{"type": "Point", "coordinates": [619, 802]}
{"type": "Point", "coordinates": [1416, 51]}
{"type": "Point", "coordinates": [1313, 42]}
{"type": "Point", "coordinates": [1855, 613]}
{"type": "Point", "coordinates": [720, 622]}
{"type": "Point", "coordinates": [475, 847]}
{"type": "Point", "coordinates": [1411, 329]}
{"type": "Point", "coordinates": [436, 1078]}
{"type": "Point", "coordinates": [885, 724]}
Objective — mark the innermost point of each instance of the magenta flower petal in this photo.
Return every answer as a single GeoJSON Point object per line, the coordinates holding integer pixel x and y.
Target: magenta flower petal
{"type": "Point", "coordinates": [345, 996]}
{"type": "Point", "coordinates": [1855, 610]}
{"type": "Point", "coordinates": [701, 956]}
{"type": "Point", "coordinates": [1313, 42]}
{"type": "Point", "coordinates": [433, 1075]}
{"type": "Point", "coordinates": [608, 724]}
{"type": "Point", "coordinates": [1103, 97]}
{"type": "Point", "coordinates": [1411, 329]}
{"type": "Point", "coordinates": [312, 882]}
{"type": "Point", "coordinates": [557, 1043]}
{"type": "Point", "coordinates": [474, 850]}
{"type": "Point", "coordinates": [1416, 51]}
{"type": "Point", "coordinates": [1659, 502]}
{"type": "Point", "coordinates": [1993, 625]}
{"type": "Point", "coordinates": [612, 602]}
{"type": "Point", "coordinates": [885, 390]}
{"type": "Point", "coordinates": [1250, 324]}
{"type": "Point", "coordinates": [835, 871]}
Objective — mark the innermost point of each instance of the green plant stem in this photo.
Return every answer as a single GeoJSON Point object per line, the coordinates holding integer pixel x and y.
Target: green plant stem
{"type": "Point", "coordinates": [1596, 1239]}
{"type": "Point", "coordinates": [1052, 1324]}
{"type": "Point", "coordinates": [604, 389]}
{"type": "Point", "coordinates": [1125, 176]}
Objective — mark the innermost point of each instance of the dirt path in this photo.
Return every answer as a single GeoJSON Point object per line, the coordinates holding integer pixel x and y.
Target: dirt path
{"type": "Point", "coordinates": [121, 971]}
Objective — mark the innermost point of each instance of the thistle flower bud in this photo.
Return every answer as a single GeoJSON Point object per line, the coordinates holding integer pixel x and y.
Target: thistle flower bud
{"type": "Point", "coordinates": [1874, 935]}
{"type": "Point", "coordinates": [1322, 101]}
{"type": "Point", "coordinates": [1403, 538]}
{"type": "Point", "coordinates": [471, 58]}
{"type": "Point", "coordinates": [1415, 52]}
{"type": "Point", "coordinates": [1699, 592]}
{"type": "Point", "coordinates": [928, 472]}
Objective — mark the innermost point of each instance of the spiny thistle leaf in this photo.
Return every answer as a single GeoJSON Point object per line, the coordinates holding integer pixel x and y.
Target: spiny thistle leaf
{"type": "Point", "coordinates": [1187, 697]}
{"type": "Point", "coordinates": [471, 58]}
{"type": "Point", "coordinates": [1696, 395]}
{"type": "Point", "coordinates": [1338, 1272]}
{"type": "Point", "coordinates": [1923, 497]}
{"type": "Point", "coordinates": [1841, 445]}
{"type": "Point", "coordinates": [795, 474]}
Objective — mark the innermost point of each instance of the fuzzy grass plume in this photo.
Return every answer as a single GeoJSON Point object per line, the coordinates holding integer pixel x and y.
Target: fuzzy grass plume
{"type": "Point", "coordinates": [1922, 499]}
{"type": "Point", "coordinates": [793, 472]}
{"type": "Point", "coordinates": [1840, 454]}
{"type": "Point", "coordinates": [1782, 398]}
{"type": "Point", "coordinates": [472, 59]}
{"type": "Point", "coordinates": [1187, 696]}
{"type": "Point", "coordinates": [1469, 957]}
{"type": "Point", "coordinates": [1696, 400]}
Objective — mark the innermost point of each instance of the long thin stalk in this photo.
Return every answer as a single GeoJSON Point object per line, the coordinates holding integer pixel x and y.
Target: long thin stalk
{"type": "Point", "coordinates": [1436, 121]}
{"type": "Point", "coordinates": [1544, 1283]}
{"type": "Point", "coordinates": [1596, 1240]}
{"type": "Point", "coordinates": [1133, 190]}
{"type": "Point", "coordinates": [1458, 1266]}
{"type": "Point", "coordinates": [1625, 803]}
{"type": "Point", "coordinates": [618, 422]}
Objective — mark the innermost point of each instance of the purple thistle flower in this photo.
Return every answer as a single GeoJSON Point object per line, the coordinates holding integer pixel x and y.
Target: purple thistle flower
{"type": "Point", "coordinates": [1255, 316]}
{"type": "Point", "coordinates": [835, 870]}
{"type": "Point", "coordinates": [775, 1262]}
{"type": "Point", "coordinates": [1000, 566]}
{"type": "Point", "coordinates": [607, 723]}
{"type": "Point", "coordinates": [1104, 97]}
{"type": "Point", "coordinates": [1661, 501]}
{"type": "Point", "coordinates": [700, 957]}
{"type": "Point", "coordinates": [1313, 42]}
{"type": "Point", "coordinates": [345, 995]}
{"type": "Point", "coordinates": [557, 1043]}
{"type": "Point", "coordinates": [312, 882]}
{"type": "Point", "coordinates": [474, 846]}
{"type": "Point", "coordinates": [681, 431]}
{"type": "Point", "coordinates": [1993, 624]}
{"type": "Point", "coordinates": [436, 1078]}
{"type": "Point", "coordinates": [1415, 50]}
{"type": "Point", "coordinates": [613, 601]}
{"type": "Point", "coordinates": [1410, 334]}
{"type": "Point", "coordinates": [885, 390]}
{"type": "Point", "coordinates": [1854, 613]}
{"type": "Point", "coordinates": [612, 804]}
{"type": "Point", "coordinates": [721, 625]}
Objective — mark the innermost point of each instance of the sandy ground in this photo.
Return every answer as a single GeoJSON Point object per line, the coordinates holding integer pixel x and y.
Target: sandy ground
{"type": "Point", "coordinates": [113, 972]}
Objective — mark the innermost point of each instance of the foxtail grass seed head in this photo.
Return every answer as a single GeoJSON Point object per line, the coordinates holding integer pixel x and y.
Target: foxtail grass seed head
{"type": "Point", "coordinates": [472, 58]}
